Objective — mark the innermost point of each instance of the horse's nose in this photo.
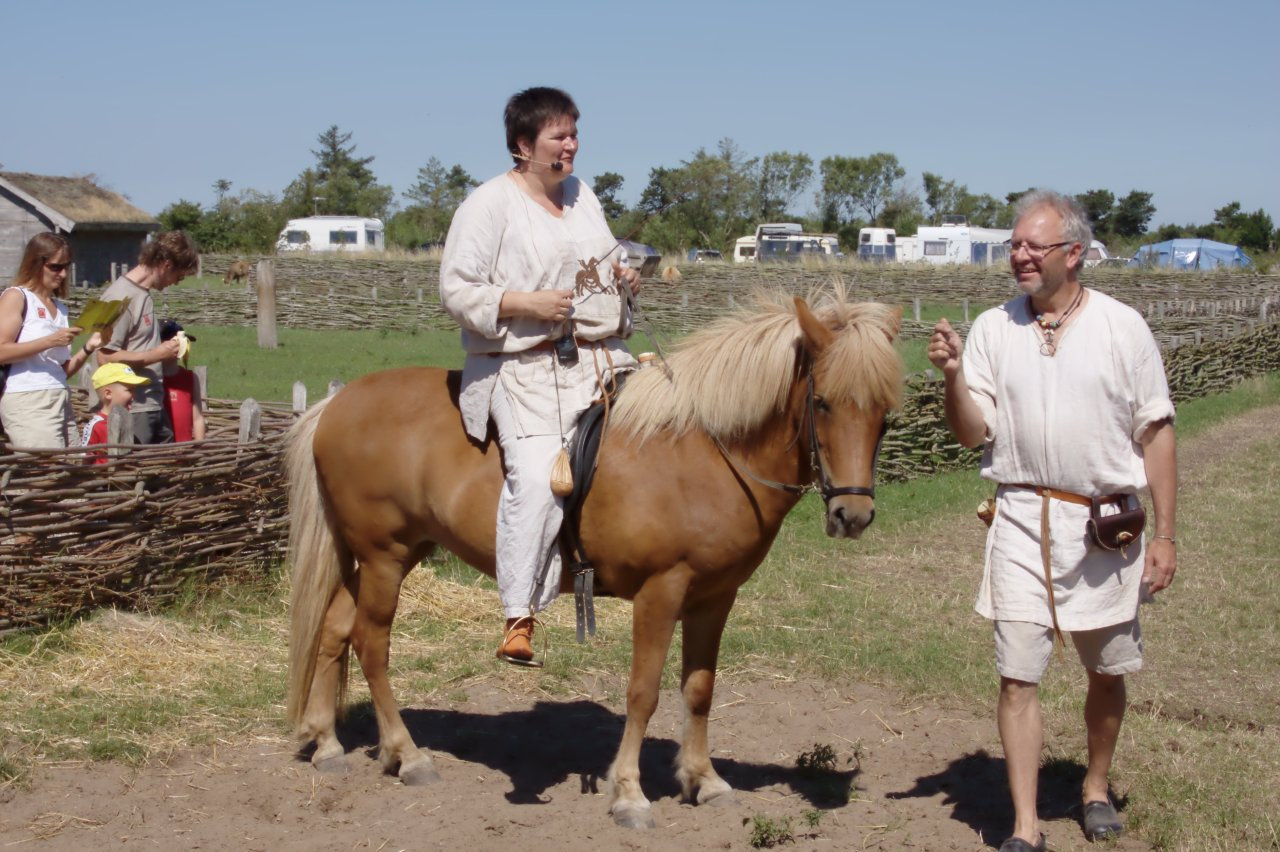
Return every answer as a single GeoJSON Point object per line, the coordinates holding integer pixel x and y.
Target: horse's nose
{"type": "Point", "coordinates": [845, 522]}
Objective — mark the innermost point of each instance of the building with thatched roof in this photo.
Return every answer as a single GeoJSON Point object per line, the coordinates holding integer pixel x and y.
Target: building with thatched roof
{"type": "Point", "coordinates": [103, 228]}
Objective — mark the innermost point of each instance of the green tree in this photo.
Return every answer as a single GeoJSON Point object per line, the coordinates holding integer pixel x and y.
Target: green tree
{"type": "Point", "coordinates": [941, 196]}
{"type": "Point", "coordinates": [781, 177]}
{"type": "Point", "coordinates": [181, 215]}
{"type": "Point", "coordinates": [1132, 214]}
{"type": "Point", "coordinates": [861, 183]}
{"type": "Point", "coordinates": [1254, 231]}
{"type": "Point", "coordinates": [606, 188]}
{"type": "Point", "coordinates": [1098, 205]}
{"type": "Point", "coordinates": [904, 211]}
{"type": "Point", "coordinates": [340, 184]}
{"type": "Point", "coordinates": [707, 201]}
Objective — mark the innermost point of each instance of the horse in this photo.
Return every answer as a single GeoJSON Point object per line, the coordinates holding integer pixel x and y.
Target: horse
{"type": "Point", "coordinates": [697, 469]}
{"type": "Point", "coordinates": [238, 271]}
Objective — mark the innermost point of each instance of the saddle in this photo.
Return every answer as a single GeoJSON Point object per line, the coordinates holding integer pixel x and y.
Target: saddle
{"type": "Point", "coordinates": [583, 453]}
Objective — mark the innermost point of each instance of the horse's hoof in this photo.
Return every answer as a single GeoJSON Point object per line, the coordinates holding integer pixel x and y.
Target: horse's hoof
{"type": "Point", "coordinates": [718, 798]}
{"type": "Point", "coordinates": [332, 765]}
{"type": "Point", "coordinates": [419, 776]}
{"type": "Point", "coordinates": [634, 817]}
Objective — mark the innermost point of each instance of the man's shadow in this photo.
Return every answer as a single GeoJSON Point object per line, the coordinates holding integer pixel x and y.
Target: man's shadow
{"type": "Point", "coordinates": [977, 788]}
{"type": "Point", "coordinates": [554, 741]}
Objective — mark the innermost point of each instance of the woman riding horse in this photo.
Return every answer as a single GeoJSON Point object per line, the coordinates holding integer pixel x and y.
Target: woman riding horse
{"type": "Point", "coordinates": [530, 273]}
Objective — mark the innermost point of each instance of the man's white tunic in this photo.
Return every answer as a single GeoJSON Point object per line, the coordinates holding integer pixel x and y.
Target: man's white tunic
{"type": "Point", "coordinates": [1071, 422]}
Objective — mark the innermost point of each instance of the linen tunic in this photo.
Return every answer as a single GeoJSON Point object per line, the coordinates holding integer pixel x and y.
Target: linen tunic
{"type": "Point", "coordinates": [502, 240]}
{"type": "Point", "coordinates": [1070, 422]}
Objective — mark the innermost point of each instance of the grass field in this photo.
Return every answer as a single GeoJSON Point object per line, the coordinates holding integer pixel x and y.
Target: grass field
{"type": "Point", "coordinates": [1200, 752]}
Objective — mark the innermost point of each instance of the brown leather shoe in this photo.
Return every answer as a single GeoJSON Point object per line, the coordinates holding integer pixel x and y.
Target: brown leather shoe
{"type": "Point", "coordinates": [517, 643]}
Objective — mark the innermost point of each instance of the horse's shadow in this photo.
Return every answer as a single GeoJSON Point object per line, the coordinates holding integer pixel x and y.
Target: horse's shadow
{"type": "Point", "coordinates": [553, 741]}
{"type": "Point", "coordinates": [977, 788]}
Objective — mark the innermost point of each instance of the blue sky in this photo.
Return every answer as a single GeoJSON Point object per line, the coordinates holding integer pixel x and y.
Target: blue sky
{"type": "Point", "coordinates": [159, 100]}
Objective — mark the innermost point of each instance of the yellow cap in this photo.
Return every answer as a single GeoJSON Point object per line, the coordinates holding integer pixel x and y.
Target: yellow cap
{"type": "Point", "coordinates": [109, 374]}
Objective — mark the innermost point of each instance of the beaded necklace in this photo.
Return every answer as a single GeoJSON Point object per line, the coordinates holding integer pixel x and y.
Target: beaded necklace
{"type": "Point", "coordinates": [1049, 348]}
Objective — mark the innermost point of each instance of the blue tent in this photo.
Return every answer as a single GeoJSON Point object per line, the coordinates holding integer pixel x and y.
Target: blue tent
{"type": "Point", "coordinates": [1190, 254]}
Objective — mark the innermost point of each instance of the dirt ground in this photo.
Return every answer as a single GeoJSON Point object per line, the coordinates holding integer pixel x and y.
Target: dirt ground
{"type": "Point", "coordinates": [918, 777]}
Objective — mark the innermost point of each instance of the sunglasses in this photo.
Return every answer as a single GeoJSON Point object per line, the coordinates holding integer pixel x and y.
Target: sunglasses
{"type": "Point", "coordinates": [57, 267]}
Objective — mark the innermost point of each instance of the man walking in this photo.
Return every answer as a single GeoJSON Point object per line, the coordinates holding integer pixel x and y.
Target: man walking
{"type": "Point", "coordinates": [1066, 388]}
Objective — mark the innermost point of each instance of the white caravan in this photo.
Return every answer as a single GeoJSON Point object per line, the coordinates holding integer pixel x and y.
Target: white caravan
{"type": "Point", "coordinates": [332, 233]}
{"type": "Point", "coordinates": [784, 241]}
{"type": "Point", "coordinates": [964, 244]}
{"type": "Point", "coordinates": [877, 244]}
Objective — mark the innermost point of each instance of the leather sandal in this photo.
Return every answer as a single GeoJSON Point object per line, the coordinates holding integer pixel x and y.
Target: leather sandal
{"type": "Point", "coordinates": [1017, 844]}
{"type": "Point", "coordinates": [517, 643]}
{"type": "Point", "coordinates": [1101, 822]}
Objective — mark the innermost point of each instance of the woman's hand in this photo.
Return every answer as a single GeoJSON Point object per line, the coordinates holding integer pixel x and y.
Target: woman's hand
{"type": "Point", "coordinates": [546, 305]}
{"type": "Point", "coordinates": [627, 274]}
{"type": "Point", "coordinates": [62, 337]}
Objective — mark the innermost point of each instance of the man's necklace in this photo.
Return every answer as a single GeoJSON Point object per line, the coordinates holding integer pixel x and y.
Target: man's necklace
{"type": "Point", "coordinates": [1049, 348]}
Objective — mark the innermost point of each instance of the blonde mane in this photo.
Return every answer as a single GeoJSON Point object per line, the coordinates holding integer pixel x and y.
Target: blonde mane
{"type": "Point", "coordinates": [736, 373]}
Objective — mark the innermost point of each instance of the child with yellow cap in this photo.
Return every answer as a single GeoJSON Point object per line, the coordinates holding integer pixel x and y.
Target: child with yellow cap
{"type": "Point", "coordinates": [114, 383]}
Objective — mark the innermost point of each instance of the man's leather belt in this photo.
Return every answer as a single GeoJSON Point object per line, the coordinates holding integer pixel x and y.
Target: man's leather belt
{"type": "Point", "coordinates": [1067, 496]}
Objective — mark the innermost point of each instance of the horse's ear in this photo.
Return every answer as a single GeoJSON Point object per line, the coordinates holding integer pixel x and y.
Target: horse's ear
{"type": "Point", "coordinates": [816, 335]}
{"type": "Point", "coordinates": [895, 322]}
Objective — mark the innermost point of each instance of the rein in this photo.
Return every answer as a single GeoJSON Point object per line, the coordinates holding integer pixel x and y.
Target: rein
{"type": "Point", "coordinates": [823, 481]}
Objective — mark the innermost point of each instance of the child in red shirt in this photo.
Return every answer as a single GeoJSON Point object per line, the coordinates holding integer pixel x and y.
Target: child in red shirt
{"type": "Point", "coordinates": [114, 383]}
{"type": "Point", "coordinates": [183, 396]}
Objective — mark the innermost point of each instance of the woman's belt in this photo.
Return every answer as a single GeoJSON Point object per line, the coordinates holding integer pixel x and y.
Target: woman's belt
{"type": "Point", "coordinates": [545, 346]}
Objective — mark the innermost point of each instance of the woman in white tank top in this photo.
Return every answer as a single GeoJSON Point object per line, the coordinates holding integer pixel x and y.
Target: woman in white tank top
{"type": "Point", "coordinates": [35, 345]}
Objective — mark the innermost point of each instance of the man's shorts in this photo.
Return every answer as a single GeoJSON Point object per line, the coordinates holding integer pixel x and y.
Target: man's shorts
{"type": "Point", "coordinates": [152, 427]}
{"type": "Point", "coordinates": [1023, 649]}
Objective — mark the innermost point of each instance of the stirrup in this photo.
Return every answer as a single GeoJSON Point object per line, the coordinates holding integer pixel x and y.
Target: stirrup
{"type": "Point", "coordinates": [533, 662]}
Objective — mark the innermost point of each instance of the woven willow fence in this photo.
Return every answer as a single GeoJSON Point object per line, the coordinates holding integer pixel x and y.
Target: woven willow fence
{"type": "Point", "coordinates": [74, 536]}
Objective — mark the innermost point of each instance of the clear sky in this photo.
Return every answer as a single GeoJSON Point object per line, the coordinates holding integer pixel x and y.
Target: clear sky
{"type": "Point", "coordinates": [159, 100]}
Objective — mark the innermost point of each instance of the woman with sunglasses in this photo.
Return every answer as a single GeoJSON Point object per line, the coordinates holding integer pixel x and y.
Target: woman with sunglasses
{"type": "Point", "coordinates": [35, 348]}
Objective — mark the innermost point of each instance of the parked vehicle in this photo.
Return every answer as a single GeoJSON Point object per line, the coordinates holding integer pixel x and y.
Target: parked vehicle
{"type": "Point", "coordinates": [640, 257]}
{"type": "Point", "coordinates": [785, 241]}
{"type": "Point", "coordinates": [958, 242]}
{"type": "Point", "coordinates": [332, 233]}
{"type": "Point", "coordinates": [877, 244]}
{"type": "Point", "coordinates": [705, 256]}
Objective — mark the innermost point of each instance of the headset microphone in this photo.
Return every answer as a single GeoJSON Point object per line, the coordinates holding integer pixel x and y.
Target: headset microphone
{"type": "Point", "coordinates": [557, 166]}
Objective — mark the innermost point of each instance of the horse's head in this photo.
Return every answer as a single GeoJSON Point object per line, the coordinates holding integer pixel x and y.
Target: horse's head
{"type": "Point", "coordinates": [852, 379]}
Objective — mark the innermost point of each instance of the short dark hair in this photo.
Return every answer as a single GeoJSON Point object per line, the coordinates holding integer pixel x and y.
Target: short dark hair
{"type": "Point", "coordinates": [173, 246]}
{"type": "Point", "coordinates": [529, 111]}
{"type": "Point", "coordinates": [40, 250]}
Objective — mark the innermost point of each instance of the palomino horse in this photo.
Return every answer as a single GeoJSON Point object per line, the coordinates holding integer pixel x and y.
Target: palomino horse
{"type": "Point", "coordinates": [696, 473]}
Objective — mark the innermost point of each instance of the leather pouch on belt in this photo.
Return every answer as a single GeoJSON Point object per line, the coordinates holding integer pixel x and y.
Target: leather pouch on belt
{"type": "Point", "coordinates": [1118, 531]}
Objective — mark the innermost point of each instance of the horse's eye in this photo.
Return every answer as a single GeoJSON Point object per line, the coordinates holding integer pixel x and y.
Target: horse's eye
{"type": "Point", "coordinates": [821, 404]}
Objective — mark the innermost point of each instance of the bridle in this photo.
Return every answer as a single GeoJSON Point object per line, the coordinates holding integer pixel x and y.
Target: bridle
{"type": "Point", "coordinates": [822, 484]}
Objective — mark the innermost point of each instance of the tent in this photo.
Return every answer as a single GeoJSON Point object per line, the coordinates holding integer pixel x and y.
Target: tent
{"type": "Point", "coordinates": [1190, 254]}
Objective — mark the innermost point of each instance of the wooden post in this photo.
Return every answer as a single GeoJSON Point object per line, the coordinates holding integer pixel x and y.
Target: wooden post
{"type": "Point", "coordinates": [335, 385]}
{"type": "Point", "coordinates": [119, 430]}
{"type": "Point", "coordinates": [373, 292]}
{"type": "Point", "coordinates": [199, 266]}
{"type": "Point", "coordinates": [299, 397]}
{"type": "Point", "coordinates": [250, 421]}
{"type": "Point", "coordinates": [266, 305]}
{"type": "Point", "coordinates": [419, 295]}
{"type": "Point", "coordinates": [915, 307]}
{"type": "Point", "coordinates": [965, 303]}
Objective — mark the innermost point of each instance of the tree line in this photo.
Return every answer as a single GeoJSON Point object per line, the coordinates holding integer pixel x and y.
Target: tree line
{"type": "Point", "coordinates": [706, 201]}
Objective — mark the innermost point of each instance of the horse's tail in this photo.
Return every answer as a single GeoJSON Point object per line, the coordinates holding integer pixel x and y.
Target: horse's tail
{"type": "Point", "coordinates": [318, 559]}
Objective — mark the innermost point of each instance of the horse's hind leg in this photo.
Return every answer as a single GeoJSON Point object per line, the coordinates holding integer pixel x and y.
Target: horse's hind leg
{"type": "Point", "coordinates": [703, 627]}
{"type": "Point", "coordinates": [319, 720]}
{"type": "Point", "coordinates": [379, 591]}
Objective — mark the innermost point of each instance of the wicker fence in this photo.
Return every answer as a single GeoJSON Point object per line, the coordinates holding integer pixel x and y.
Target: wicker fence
{"type": "Point", "coordinates": [75, 536]}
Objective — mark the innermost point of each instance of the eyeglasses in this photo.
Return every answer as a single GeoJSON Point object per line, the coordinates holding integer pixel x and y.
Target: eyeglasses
{"type": "Point", "coordinates": [57, 267]}
{"type": "Point", "coordinates": [1035, 250]}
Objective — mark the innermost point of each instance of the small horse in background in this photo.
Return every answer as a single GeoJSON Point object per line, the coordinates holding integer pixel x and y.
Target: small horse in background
{"type": "Point", "coordinates": [238, 271]}
{"type": "Point", "coordinates": [697, 470]}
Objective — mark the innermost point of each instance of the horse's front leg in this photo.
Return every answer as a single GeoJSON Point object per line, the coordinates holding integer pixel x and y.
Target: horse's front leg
{"type": "Point", "coordinates": [703, 627]}
{"type": "Point", "coordinates": [376, 600]}
{"type": "Point", "coordinates": [654, 615]}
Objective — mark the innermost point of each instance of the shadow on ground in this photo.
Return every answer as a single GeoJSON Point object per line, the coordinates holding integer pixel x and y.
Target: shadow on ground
{"type": "Point", "coordinates": [540, 748]}
{"type": "Point", "coordinates": [977, 789]}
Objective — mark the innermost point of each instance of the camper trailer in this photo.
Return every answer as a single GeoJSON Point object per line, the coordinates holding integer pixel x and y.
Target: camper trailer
{"type": "Point", "coordinates": [877, 244]}
{"type": "Point", "coordinates": [332, 233]}
{"type": "Point", "coordinates": [784, 241]}
{"type": "Point", "coordinates": [963, 244]}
